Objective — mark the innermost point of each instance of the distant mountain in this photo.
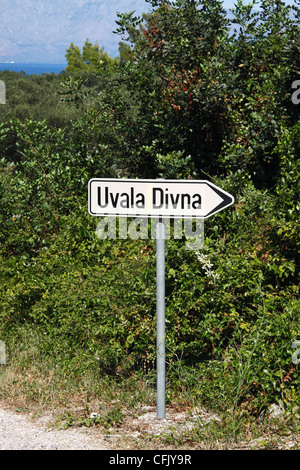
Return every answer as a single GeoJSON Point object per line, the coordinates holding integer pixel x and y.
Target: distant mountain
{"type": "Point", "coordinates": [41, 30]}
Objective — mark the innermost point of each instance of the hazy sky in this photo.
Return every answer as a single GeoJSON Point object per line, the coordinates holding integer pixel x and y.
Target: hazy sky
{"type": "Point", "coordinates": [42, 30]}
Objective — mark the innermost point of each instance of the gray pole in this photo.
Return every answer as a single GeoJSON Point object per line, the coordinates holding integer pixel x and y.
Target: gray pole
{"type": "Point", "coordinates": [160, 318]}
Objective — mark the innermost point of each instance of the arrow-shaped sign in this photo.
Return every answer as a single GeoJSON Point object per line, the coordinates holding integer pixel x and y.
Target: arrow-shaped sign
{"type": "Point", "coordinates": [156, 198]}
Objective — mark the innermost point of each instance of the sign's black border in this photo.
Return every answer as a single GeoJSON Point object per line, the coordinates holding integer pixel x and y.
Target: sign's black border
{"type": "Point", "coordinates": [228, 199]}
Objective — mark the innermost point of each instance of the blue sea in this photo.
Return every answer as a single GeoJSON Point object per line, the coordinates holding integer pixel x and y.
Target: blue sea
{"type": "Point", "coordinates": [31, 69]}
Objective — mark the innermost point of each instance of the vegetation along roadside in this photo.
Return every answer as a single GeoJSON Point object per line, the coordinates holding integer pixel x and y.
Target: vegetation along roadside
{"type": "Point", "coordinates": [194, 95]}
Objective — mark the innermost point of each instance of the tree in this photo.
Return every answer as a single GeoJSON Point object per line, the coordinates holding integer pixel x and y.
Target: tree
{"type": "Point", "coordinates": [92, 58]}
{"type": "Point", "coordinates": [219, 97]}
{"type": "Point", "coordinates": [73, 56]}
{"type": "Point", "coordinates": [178, 76]}
{"type": "Point", "coordinates": [125, 52]}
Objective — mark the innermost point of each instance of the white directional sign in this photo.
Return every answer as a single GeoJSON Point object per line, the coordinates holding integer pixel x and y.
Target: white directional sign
{"type": "Point", "coordinates": [156, 198]}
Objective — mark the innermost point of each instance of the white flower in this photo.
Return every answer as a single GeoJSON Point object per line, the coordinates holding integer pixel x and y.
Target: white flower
{"type": "Point", "coordinates": [207, 266]}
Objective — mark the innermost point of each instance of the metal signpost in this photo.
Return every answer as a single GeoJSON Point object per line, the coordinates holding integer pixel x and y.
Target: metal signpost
{"type": "Point", "coordinates": [160, 319]}
{"type": "Point", "coordinates": [160, 199]}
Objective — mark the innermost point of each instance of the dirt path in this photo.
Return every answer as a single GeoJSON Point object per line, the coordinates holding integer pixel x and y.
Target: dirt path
{"type": "Point", "coordinates": [20, 432]}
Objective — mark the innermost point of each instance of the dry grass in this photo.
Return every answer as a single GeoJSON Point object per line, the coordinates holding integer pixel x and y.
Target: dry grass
{"type": "Point", "coordinates": [30, 384]}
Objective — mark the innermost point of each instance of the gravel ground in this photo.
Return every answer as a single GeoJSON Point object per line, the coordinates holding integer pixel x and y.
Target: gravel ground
{"type": "Point", "coordinates": [20, 432]}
